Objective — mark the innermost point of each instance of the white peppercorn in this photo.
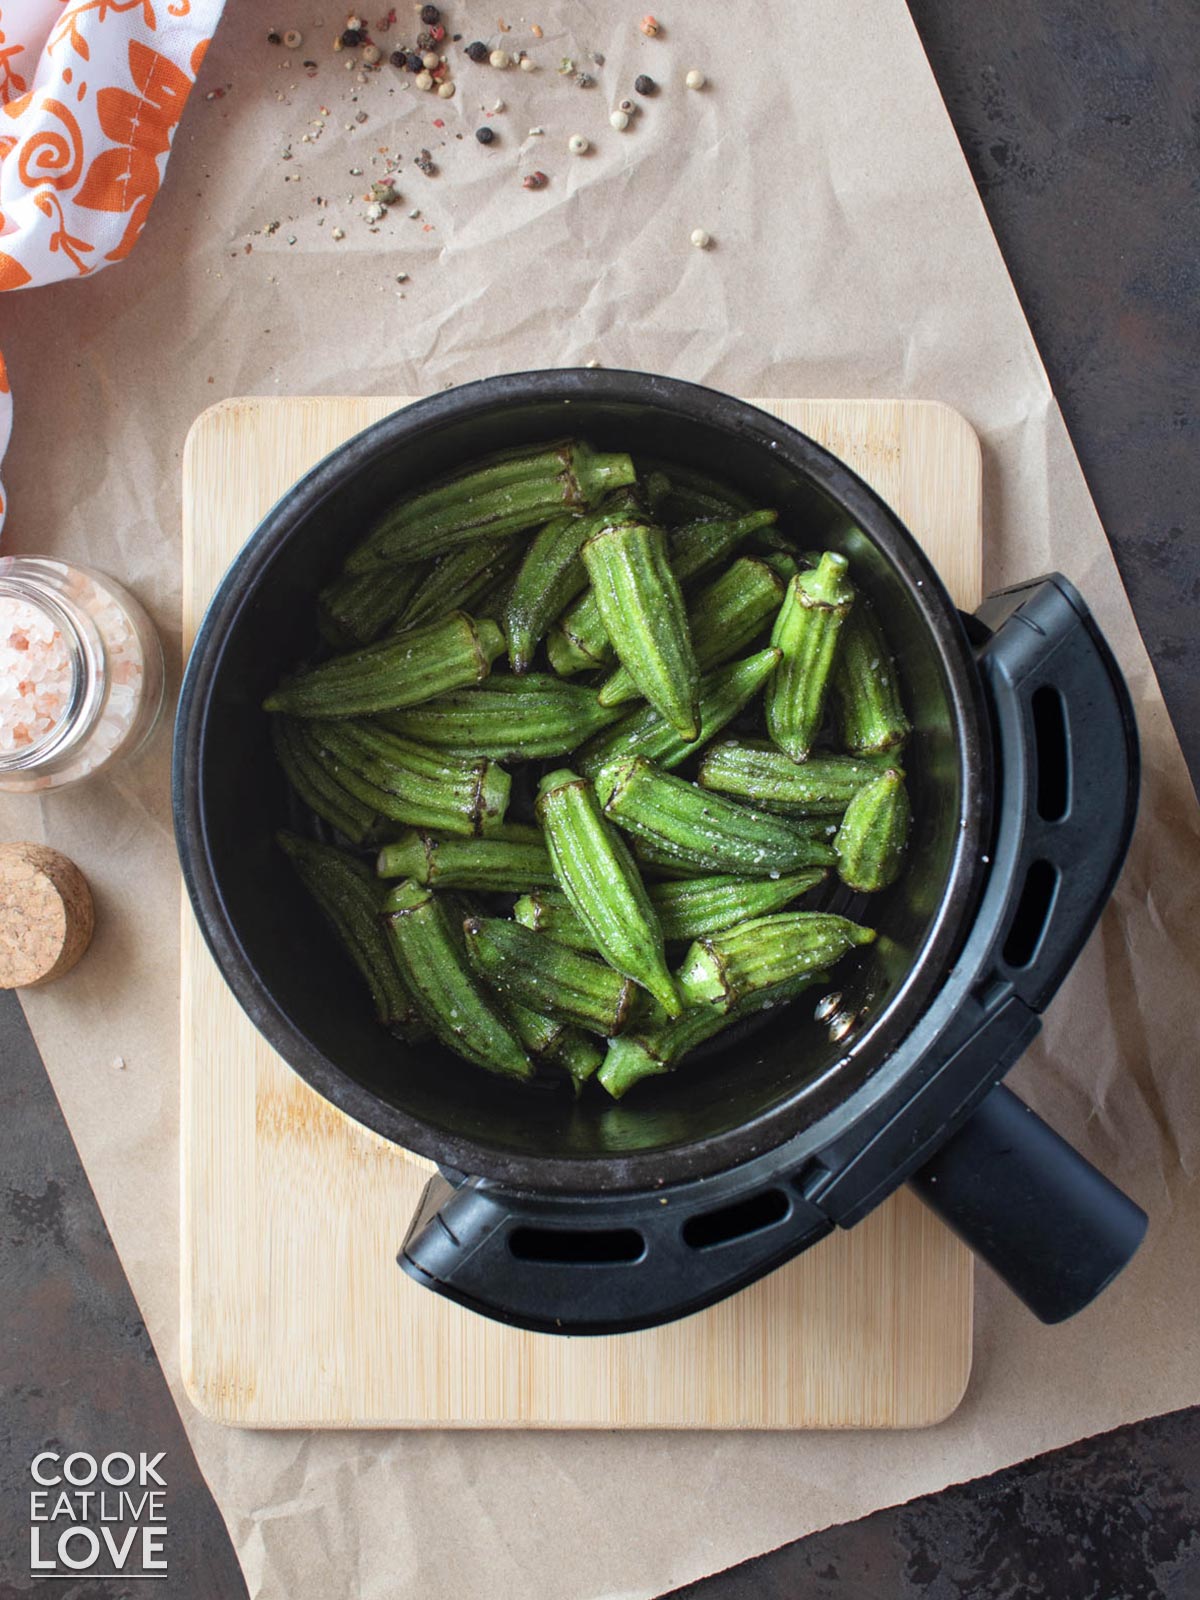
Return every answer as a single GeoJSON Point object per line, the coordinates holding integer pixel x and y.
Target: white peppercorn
{"type": "Point", "coordinates": [578, 145]}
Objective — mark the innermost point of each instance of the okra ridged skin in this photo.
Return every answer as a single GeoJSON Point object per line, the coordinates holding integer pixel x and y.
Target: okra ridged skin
{"type": "Point", "coordinates": [529, 719]}
{"type": "Point", "coordinates": [599, 877]}
{"type": "Point", "coordinates": [650, 1052]}
{"type": "Point", "coordinates": [692, 827]}
{"type": "Point", "coordinates": [316, 786]}
{"type": "Point", "coordinates": [579, 1057]}
{"type": "Point", "coordinates": [454, 581]}
{"type": "Point", "coordinates": [723, 618]}
{"type": "Point", "coordinates": [724, 968]}
{"type": "Point", "coordinates": [505, 496]}
{"type": "Point", "coordinates": [644, 615]}
{"type": "Point", "coordinates": [488, 865]}
{"type": "Point", "coordinates": [400, 671]}
{"type": "Point", "coordinates": [868, 712]}
{"type": "Point", "coordinates": [552, 574]}
{"type": "Point", "coordinates": [579, 641]}
{"type": "Point", "coordinates": [450, 998]}
{"type": "Point", "coordinates": [694, 907]}
{"type": "Point", "coordinates": [550, 913]}
{"type": "Point", "coordinates": [540, 1035]}
{"type": "Point", "coordinates": [871, 841]}
{"type": "Point", "coordinates": [822, 786]}
{"type": "Point", "coordinates": [407, 782]}
{"type": "Point", "coordinates": [350, 900]}
{"type": "Point", "coordinates": [358, 609]}
{"type": "Point", "coordinates": [815, 606]}
{"type": "Point", "coordinates": [548, 977]}
{"type": "Point", "coordinates": [645, 732]}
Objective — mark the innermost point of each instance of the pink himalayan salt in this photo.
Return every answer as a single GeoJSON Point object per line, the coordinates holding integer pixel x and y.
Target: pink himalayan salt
{"type": "Point", "coordinates": [35, 674]}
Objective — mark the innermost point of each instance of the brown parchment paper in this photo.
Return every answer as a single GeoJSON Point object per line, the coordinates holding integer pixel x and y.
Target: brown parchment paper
{"type": "Point", "coordinates": [851, 257]}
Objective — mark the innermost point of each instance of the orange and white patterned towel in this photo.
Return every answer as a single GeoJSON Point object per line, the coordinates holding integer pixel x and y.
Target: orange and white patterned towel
{"type": "Point", "coordinates": [90, 94]}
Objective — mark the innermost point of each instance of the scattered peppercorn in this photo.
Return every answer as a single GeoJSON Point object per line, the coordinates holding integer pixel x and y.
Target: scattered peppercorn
{"type": "Point", "coordinates": [430, 60]}
{"type": "Point", "coordinates": [578, 145]}
{"type": "Point", "coordinates": [274, 38]}
{"type": "Point", "coordinates": [485, 135]}
{"type": "Point", "coordinates": [423, 80]}
{"type": "Point", "coordinates": [430, 15]}
{"type": "Point", "coordinates": [535, 180]}
{"type": "Point", "coordinates": [650, 26]}
{"type": "Point", "coordinates": [695, 79]}
{"type": "Point", "coordinates": [584, 80]}
{"type": "Point", "coordinates": [351, 38]}
{"type": "Point", "coordinates": [645, 85]}
{"type": "Point", "coordinates": [398, 58]}
{"type": "Point", "coordinates": [700, 239]}
{"type": "Point", "coordinates": [528, 64]}
{"type": "Point", "coordinates": [293, 39]}
{"type": "Point", "coordinates": [499, 58]}
{"type": "Point", "coordinates": [628, 107]}
{"type": "Point", "coordinates": [371, 54]}
{"type": "Point", "coordinates": [446, 91]}
{"type": "Point", "coordinates": [619, 120]}
{"type": "Point", "coordinates": [477, 51]}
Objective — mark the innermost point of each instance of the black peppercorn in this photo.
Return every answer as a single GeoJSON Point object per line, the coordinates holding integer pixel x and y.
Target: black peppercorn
{"type": "Point", "coordinates": [413, 62]}
{"type": "Point", "coordinates": [645, 85]}
{"type": "Point", "coordinates": [478, 51]}
{"type": "Point", "coordinates": [485, 135]}
{"type": "Point", "coordinates": [352, 37]}
{"type": "Point", "coordinates": [398, 58]}
{"type": "Point", "coordinates": [274, 38]}
{"type": "Point", "coordinates": [430, 15]}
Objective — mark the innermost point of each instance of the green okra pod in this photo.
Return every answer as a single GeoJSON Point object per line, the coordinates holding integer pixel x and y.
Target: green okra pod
{"type": "Point", "coordinates": [644, 732]}
{"type": "Point", "coordinates": [723, 618]}
{"type": "Point", "coordinates": [507, 495]}
{"type": "Point", "coordinates": [871, 841]}
{"type": "Point", "coordinates": [724, 968]}
{"type": "Point", "coordinates": [644, 615]}
{"type": "Point", "coordinates": [540, 1035]}
{"type": "Point", "coordinates": [693, 907]}
{"type": "Point", "coordinates": [600, 879]}
{"type": "Point", "coordinates": [755, 771]}
{"type": "Point", "coordinates": [529, 718]}
{"type": "Point", "coordinates": [450, 998]}
{"type": "Point", "coordinates": [817, 603]}
{"type": "Point", "coordinates": [455, 580]}
{"type": "Point", "coordinates": [579, 641]}
{"type": "Point", "coordinates": [488, 865]}
{"type": "Point", "coordinates": [549, 912]}
{"type": "Point", "coordinates": [355, 610]}
{"type": "Point", "coordinates": [650, 1051]}
{"type": "Point", "coordinates": [350, 900]}
{"type": "Point", "coordinates": [692, 827]}
{"type": "Point", "coordinates": [552, 574]}
{"type": "Point", "coordinates": [485, 864]}
{"type": "Point", "coordinates": [549, 977]}
{"type": "Point", "coordinates": [399, 671]}
{"type": "Point", "coordinates": [868, 712]}
{"type": "Point", "coordinates": [579, 1057]}
{"type": "Point", "coordinates": [316, 786]}
{"type": "Point", "coordinates": [406, 782]}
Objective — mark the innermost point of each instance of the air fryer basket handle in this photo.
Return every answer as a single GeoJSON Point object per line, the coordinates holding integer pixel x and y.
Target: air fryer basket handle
{"type": "Point", "coordinates": [1053, 1227]}
{"type": "Point", "coordinates": [1069, 769]}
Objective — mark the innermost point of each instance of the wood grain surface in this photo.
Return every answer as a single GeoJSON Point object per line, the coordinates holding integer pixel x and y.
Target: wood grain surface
{"type": "Point", "coordinates": [293, 1313]}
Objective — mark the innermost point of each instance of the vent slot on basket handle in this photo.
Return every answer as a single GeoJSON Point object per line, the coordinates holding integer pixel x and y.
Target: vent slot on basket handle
{"type": "Point", "coordinates": [1053, 753]}
{"type": "Point", "coordinates": [570, 1247]}
{"type": "Point", "coordinates": [1032, 914]}
{"type": "Point", "coordinates": [726, 1223]}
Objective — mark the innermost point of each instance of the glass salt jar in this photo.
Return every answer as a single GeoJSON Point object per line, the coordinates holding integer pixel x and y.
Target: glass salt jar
{"type": "Point", "coordinates": [81, 673]}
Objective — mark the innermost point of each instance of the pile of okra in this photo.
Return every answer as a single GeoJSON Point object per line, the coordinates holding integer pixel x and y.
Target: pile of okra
{"type": "Point", "coordinates": [558, 627]}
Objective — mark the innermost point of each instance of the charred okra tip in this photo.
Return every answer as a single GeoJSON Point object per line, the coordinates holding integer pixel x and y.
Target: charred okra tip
{"type": "Point", "coordinates": [677, 611]}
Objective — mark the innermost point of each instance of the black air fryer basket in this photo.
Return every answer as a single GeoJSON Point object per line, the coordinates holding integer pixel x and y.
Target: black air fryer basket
{"type": "Point", "coordinates": [586, 1217]}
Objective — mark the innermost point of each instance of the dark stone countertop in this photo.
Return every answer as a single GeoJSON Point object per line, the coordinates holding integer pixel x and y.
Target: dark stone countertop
{"type": "Point", "coordinates": [1081, 124]}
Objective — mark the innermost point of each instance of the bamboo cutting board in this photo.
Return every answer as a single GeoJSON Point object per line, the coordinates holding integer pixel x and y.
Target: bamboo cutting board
{"type": "Point", "coordinates": [294, 1313]}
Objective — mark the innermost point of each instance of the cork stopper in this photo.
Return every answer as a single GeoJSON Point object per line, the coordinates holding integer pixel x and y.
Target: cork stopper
{"type": "Point", "coordinates": [46, 915]}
